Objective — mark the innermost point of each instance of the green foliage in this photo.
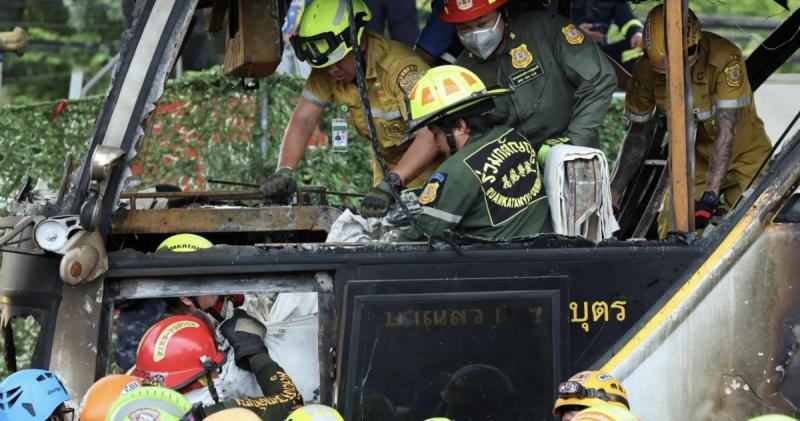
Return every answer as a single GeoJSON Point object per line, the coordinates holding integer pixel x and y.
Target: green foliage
{"type": "Point", "coordinates": [613, 130]}
{"type": "Point", "coordinates": [26, 332]}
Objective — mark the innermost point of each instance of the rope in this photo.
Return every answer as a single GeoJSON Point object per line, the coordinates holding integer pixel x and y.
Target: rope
{"type": "Point", "coordinates": [373, 139]}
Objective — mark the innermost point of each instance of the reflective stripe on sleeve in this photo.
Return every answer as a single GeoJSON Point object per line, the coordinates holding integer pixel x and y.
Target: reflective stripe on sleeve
{"type": "Point", "coordinates": [313, 98]}
{"type": "Point", "coordinates": [391, 115]}
{"type": "Point", "coordinates": [703, 115]}
{"type": "Point", "coordinates": [638, 118]}
{"type": "Point", "coordinates": [629, 24]}
{"type": "Point", "coordinates": [733, 103]}
{"type": "Point", "coordinates": [440, 214]}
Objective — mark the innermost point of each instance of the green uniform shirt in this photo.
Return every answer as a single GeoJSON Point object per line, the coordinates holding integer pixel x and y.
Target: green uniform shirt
{"type": "Point", "coordinates": [562, 82]}
{"type": "Point", "coordinates": [280, 392]}
{"type": "Point", "coordinates": [491, 188]}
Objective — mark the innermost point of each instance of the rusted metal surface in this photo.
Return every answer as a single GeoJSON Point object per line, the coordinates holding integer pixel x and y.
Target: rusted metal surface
{"type": "Point", "coordinates": [276, 218]}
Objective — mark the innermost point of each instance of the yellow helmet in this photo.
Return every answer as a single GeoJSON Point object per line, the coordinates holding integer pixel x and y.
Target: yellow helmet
{"type": "Point", "coordinates": [443, 91]}
{"type": "Point", "coordinates": [315, 413]}
{"type": "Point", "coordinates": [238, 414]}
{"type": "Point", "coordinates": [605, 412]}
{"type": "Point", "coordinates": [773, 417]}
{"type": "Point", "coordinates": [655, 45]}
{"type": "Point", "coordinates": [182, 243]}
{"type": "Point", "coordinates": [590, 388]}
{"type": "Point", "coordinates": [323, 37]}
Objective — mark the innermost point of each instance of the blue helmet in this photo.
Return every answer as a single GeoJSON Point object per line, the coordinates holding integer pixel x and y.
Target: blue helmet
{"type": "Point", "coordinates": [31, 395]}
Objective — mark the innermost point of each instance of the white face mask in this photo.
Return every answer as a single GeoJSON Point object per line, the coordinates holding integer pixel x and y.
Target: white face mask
{"type": "Point", "coordinates": [483, 42]}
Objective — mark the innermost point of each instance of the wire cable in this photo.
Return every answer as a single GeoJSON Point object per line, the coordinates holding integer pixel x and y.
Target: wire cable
{"type": "Point", "coordinates": [371, 134]}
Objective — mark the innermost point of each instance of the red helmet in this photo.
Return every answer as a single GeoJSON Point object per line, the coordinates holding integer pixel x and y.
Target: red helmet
{"type": "Point", "coordinates": [176, 352]}
{"type": "Point", "coordinates": [455, 11]}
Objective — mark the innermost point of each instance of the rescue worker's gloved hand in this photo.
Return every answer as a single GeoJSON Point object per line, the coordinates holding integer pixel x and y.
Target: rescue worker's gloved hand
{"type": "Point", "coordinates": [544, 149]}
{"type": "Point", "coordinates": [704, 209]}
{"type": "Point", "coordinates": [280, 185]}
{"type": "Point", "coordinates": [376, 203]}
{"type": "Point", "coordinates": [196, 414]}
{"type": "Point", "coordinates": [246, 336]}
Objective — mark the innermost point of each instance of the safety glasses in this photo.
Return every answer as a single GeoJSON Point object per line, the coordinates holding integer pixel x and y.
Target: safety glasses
{"type": "Point", "coordinates": [66, 414]}
{"type": "Point", "coordinates": [317, 49]}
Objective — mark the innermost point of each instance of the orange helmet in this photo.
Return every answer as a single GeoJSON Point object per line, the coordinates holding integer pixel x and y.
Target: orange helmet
{"type": "Point", "coordinates": [655, 43]}
{"type": "Point", "coordinates": [455, 11]}
{"type": "Point", "coordinates": [98, 399]}
{"type": "Point", "coordinates": [176, 352]}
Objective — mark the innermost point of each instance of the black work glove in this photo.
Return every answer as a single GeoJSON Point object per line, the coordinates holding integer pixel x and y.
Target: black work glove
{"type": "Point", "coordinates": [197, 413]}
{"type": "Point", "coordinates": [246, 336]}
{"type": "Point", "coordinates": [376, 203]}
{"type": "Point", "coordinates": [280, 185]}
{"type": "Point", "coordinates": [704, 208]}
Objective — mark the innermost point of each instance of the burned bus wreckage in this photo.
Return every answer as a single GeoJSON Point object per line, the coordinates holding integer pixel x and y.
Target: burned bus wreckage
{"type": "Point", "coordinates": [692, 326]}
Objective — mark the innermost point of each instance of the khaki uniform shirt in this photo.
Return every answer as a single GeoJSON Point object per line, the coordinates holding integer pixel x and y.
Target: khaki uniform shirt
{"type": "Point", "coordinates": [392, 69]}
{"type": "Point", "coordinates": [719, 81]}
{"type": "Point", "coordinates": [492, 188]}
{"type": "Point", "coordinates": [562, 82]}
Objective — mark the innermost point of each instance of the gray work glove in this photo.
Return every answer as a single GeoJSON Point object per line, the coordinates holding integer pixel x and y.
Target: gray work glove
{"type": "Point", "coordinates": [246, 335]}
{"type": "Point", "coordinates": [376, 203]}
{"type": "Point", "coordinates": [280, 185]}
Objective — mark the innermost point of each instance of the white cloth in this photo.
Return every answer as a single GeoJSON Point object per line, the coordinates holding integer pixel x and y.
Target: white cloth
{"type": "Point", "coordinates": [292, 336]}
{"type": "Point", "coordinates": [352, 228]}
{"type": "Point", "coordinates": [597, 222]}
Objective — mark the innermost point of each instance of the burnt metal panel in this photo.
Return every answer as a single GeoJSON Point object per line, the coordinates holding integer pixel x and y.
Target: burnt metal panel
{"type": "Point", "coordinates": [207, 220]}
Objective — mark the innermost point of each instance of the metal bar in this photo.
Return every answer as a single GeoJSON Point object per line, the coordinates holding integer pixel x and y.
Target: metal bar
{"type": "Point", "coordinates": [679, 93]}
{"type": "Point", "coordinates": [177, 286]}
{"type": "Point", "coordinates": [781, 44]}
{"type": "Point", "coordinates": [99, 75]}
{"type": "Point", "coordinates": [221, 195]}
{"type": "Point", "coordinates": [208, 220]}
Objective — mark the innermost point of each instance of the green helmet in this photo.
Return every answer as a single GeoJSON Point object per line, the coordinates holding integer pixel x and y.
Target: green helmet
{"type": "Point", "coordinates": [149, 402]}
{"type": "Point", "coordinates": [324, 34]}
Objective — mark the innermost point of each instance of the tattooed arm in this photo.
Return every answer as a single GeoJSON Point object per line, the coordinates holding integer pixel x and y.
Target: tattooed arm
{"type": "Point", "coordinates": [725, 121]}
{"type": "Point", "coordinates": [634, 148]}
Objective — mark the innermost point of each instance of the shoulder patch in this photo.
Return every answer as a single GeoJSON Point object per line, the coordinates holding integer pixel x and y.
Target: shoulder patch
{"type": "Point", "coordinates": [408, 77]}
{"type": "Point", "coordinates": [508, 173]}
{"type": "Point", "coordinates": [430, 194]}
{"type": "Point", "coordinates": [521, 57]}
{"type": "Point", "coordinates": [572, 34]}
{"type": "Point", "coordinates": [733, 75]}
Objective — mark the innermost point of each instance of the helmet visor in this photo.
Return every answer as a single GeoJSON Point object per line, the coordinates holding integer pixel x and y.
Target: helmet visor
{"type": "Point", "coordinates": [316, 50]}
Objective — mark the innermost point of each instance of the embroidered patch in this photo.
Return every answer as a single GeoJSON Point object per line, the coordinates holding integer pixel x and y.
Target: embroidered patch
{"type": "Point", "coordinates": [430, 194]}
{"type": "Point", "coordinates": [733, 75]}
{"type": "Point", "coordinates": [464, 4]}
{"type": "Point", "coordinates": [572, 34]}
{"type": "Point", "coordinates": [508, 174]}
{"type": "Point", "coordinates": [408, 77]}
{"type": "Point", "coordinates": [145, 414]}
{"type": "Point", "coordinates": [521, 57]}
{"type": "Point", "coordinates": [394, 128]}
{"type": "Point", "coordinates": [526, 75]}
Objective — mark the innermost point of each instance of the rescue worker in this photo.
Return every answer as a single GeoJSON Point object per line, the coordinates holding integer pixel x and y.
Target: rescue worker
{"type": "Point", "coordinates": [595, 17]}
{"type": "Point", "coordinates": [731, 143]}
{"type": "Point", "coordinates": [587, 389]}
{"type": "Point", "coordinates": [180, 353]}
{"type": "Point", "coordinates": [34, 395]}
{"type": "Point", "coordinates": [98, 399]}
{"type": "Point", "coordinates": [136, 316]}
{"type": "Point", "coordinates": [391, 69]}
{"type": "Point", "coordinates": [149, 403]}
{"type": "Point", "coordinates": [315, 412]}
{"type": "Point", "coordinates": [605, 412]}
{"type": "Point", "coordinates": [490, 186]}
{"type": "Point", "coordinates": [562, 84]}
